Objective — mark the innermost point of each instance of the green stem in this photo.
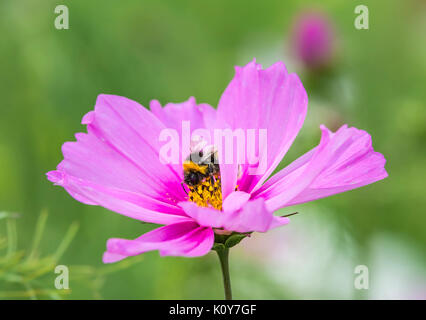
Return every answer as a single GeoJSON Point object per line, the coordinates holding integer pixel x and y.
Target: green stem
{"type": "Point", "coordinates": [224, 263]}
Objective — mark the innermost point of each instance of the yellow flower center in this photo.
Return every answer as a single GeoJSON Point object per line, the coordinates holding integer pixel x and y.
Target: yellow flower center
{"type": "Point", "coordinates": [208, 193]}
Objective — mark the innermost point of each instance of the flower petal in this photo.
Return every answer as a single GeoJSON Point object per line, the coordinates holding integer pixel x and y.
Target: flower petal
{"type": "Point", "coordinates": [117, 164]}
{"type": "Point", "coordinates": [205, 217]}
{"type": "Point", "coordinates": [179, 239]}
{"type": "Point", "coordinates": [133, 205]}
{"type": "Point", "coordinates": [251, 216]}
{"type": "Point", "coordinates": [343, 161]}
{"type": "Point", "coordinates": [254, 216]}
{"type": "Point", "coordinates": [173, 114]}
{"type": "Point", "coordinates": [91, 159]}
{"type": "Point", "coordinates": [235, 201]}
{"type": "Point", "coordinates": [133, 132]}
{"type": "Point", "coordinates": [183, 119]}
{"type": "Point", "coordinates": [228, 172]}
{"type": "Point", "coordinates": [268, 99]}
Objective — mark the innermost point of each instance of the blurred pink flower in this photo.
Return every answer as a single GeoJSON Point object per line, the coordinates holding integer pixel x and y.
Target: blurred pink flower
{"type": "Point", "coordinates": [116, 164]}
{"type": "Point", "coordinates": [313, 39]}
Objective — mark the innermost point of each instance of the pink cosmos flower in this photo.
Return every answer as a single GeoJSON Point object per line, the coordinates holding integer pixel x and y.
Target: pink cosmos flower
{"type": "Point", "coordinates": [313, 39]}
{"type": "Point", "coordinates": [116, 164]}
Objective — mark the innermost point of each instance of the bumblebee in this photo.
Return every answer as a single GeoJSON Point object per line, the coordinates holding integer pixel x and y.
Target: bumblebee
{"type": "Point", "coordinates": [201, 166]}
{"type": "Point", "coordinates": [202, 178]}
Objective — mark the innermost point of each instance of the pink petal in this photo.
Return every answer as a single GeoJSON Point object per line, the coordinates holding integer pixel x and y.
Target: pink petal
{"type": "Point", "coordinates": [133, 132]}
{"type": "Point", "coordinates": [130, 204]}
{"type": "Point", "coordinates": [268, 99]}
{"type": "Point", "coordinates": [228, 171]}
{"type": "Point", "coordinates": [117, 164]}
{"type": "Point", "coordinates": [342, 161]}
{"type": "Point", "coordinates": [173, 114]}
{"type": "Point", "coordinates": [180, 239]}
{"type": "Point", "coordinates": [250, 216]}
{"type": "Point", "coordinates": [205, 217]}
{"type": "Point", "coordinates": [196, 244]}
{"type": "Point", "coordinates": [109, 257]}
{"type": "Point", "coordinates": [92, 159]}
{"type": "Point", "coordinates": [200, 116]}
{"type": "Point", "coordinates": [235, 201]}
{"type": "Point", "coordinates": [254, 216]}
{"type": "Point", "coordinates": [184, 118]}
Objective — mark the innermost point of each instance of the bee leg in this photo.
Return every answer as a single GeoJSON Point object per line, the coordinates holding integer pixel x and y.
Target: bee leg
{"type": "Point", "coordinates": [183, 187]}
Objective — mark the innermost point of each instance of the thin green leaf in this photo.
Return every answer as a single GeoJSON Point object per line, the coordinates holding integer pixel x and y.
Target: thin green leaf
{"type": "Point", "coordinates": [234, 239]}
{"type": "Point", "coordinates": [40, 226]}
{"type": "Point", "coordinates": [69, 236]}
{"type": "Point", "coordinates": [11, 237]}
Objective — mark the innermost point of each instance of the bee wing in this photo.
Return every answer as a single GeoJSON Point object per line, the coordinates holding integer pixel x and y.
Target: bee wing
{"type": "Point", "coordinates": [208, 153]}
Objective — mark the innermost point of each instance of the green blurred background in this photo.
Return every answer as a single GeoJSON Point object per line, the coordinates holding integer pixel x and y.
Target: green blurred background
{"type": "Point", "coordinates": [170, 50]}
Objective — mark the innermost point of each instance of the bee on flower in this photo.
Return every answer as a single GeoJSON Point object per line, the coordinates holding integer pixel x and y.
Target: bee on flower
{"type": "Point", "coordinates": [204, 202]}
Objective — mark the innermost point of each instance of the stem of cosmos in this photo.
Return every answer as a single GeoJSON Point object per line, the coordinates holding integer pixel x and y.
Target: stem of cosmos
{"type": "Point", "coordinates": [224, 263]}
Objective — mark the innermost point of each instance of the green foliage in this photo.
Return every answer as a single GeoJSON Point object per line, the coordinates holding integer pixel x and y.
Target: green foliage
{"type": "Point", "coordinates": [234, 239]}
{"type": "Point", "coordinates": [228, 241]}
{"type": "Point", "coordinates": [30, 273]}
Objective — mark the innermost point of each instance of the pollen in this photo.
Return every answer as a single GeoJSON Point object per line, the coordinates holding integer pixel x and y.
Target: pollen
{"type": "Point", "coordinates": [207, 194]}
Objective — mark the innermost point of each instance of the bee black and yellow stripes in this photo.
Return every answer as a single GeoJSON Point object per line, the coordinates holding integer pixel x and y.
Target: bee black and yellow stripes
{"type": "Point", "coordinates": [202, 177]}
